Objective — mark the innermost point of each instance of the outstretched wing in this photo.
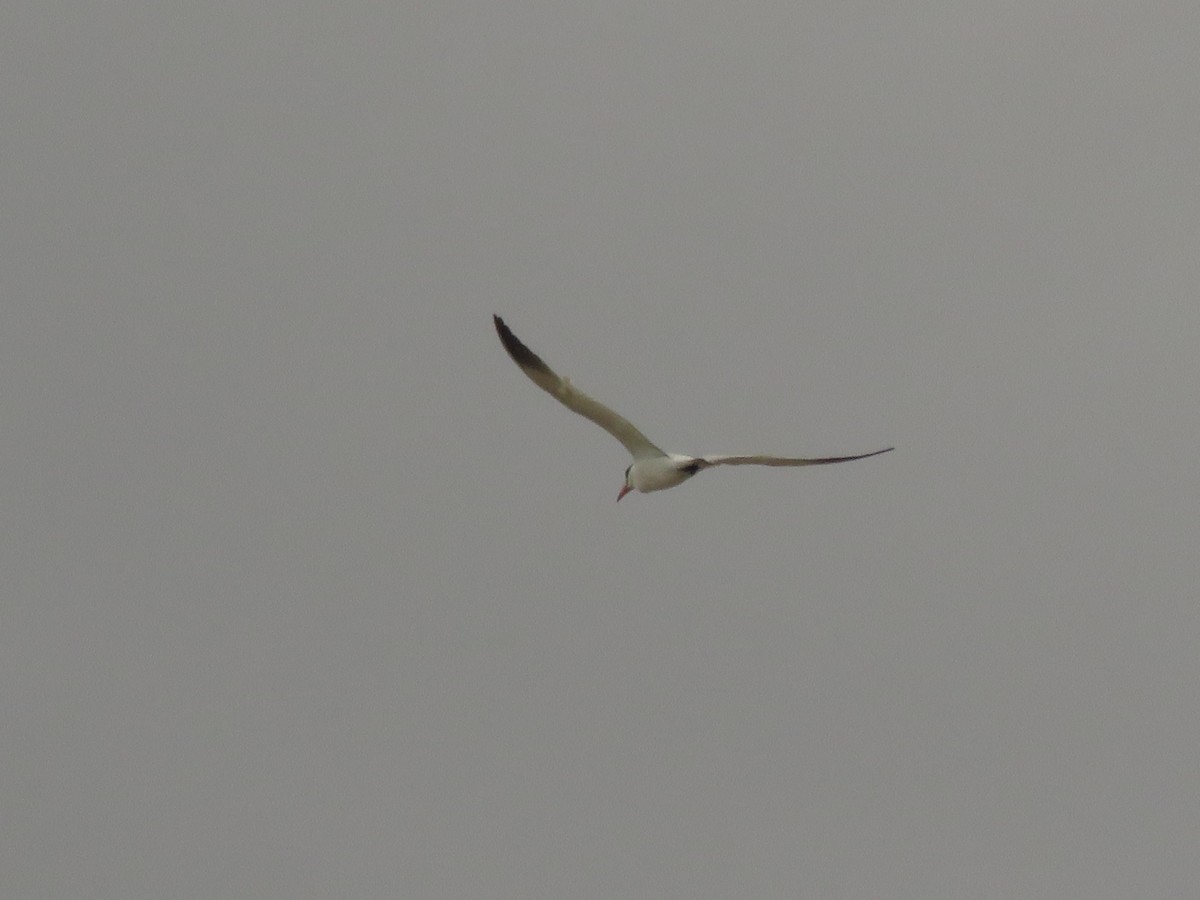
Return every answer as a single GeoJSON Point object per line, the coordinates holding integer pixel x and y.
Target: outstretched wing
{"type": "Point", "coordinates": [707, 461]}
{"type": "Point", "coordinates": [572, 398]}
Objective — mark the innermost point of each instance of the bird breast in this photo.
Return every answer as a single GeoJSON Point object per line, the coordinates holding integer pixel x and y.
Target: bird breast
{"type": "Point", "coordinates": [662, 472]}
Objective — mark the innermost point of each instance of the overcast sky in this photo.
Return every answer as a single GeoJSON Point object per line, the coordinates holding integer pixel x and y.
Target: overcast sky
{"type": "Point", "coordinates": [305, 591]}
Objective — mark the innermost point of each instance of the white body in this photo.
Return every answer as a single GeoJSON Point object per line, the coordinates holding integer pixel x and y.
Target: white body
{"type": "Point", "coordinates": [657, 473]}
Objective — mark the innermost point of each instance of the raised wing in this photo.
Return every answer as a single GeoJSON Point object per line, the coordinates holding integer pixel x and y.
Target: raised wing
{"type": "Point", "coordinates": [707, 461]}
{"type": "Point", "coordinates": [572, 398]}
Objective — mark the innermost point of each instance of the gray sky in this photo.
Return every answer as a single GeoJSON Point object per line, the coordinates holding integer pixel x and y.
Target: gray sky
{"type": "Point", "coordinates": [307, 592]}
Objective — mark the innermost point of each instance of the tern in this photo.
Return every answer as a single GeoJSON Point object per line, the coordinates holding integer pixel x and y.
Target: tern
{"type": "Point", "coordinates": [652, 469]}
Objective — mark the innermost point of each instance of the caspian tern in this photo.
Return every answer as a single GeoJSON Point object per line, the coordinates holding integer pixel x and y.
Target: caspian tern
{"type": "Point", "coordinates": [652, 469]}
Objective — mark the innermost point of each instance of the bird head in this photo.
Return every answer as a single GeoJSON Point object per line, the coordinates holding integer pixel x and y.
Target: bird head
{"type": "Point", "coordinates": [628, 485]}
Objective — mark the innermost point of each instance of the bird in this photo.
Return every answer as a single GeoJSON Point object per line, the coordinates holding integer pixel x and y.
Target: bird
{"type": "Point", "coordinates": [652, 469]}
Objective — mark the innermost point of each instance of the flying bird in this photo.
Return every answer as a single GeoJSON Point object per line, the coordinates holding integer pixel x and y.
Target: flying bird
{"type": "Point", "coordinates": [652, 469]}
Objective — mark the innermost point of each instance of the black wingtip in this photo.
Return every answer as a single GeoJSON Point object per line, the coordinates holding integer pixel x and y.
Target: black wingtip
{"type": "Point", "coordinates": [522, 355]}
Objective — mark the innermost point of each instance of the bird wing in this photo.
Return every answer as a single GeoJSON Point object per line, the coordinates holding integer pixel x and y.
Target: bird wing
{"type": "Point", "coordinates": [707, 461]}
{"type": "Point", "coordinates": [572, 398]}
